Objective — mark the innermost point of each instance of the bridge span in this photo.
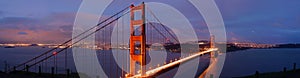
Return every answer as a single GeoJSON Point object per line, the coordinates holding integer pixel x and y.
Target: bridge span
{"type": "Point", "coordinates": [153, 72]}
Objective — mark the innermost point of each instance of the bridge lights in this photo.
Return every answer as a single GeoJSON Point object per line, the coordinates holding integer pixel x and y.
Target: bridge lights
{"type": "Point", "coordinates": [54, 53]}
{"type": "Point", "coordinates": [127, 75]}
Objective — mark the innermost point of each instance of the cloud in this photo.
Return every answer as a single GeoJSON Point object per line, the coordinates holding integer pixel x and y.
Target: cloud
{"type": "Point", "coordinates": [17, 22]}
{"type": "Point", "coordinates": [65, 28]}
{"type": "Point", "coordinates": [7, 20]}
{"type": "Point", "coordinates": [22, 33]}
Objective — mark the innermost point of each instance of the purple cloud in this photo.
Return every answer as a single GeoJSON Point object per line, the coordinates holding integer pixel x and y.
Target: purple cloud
{"type": "Point", "coordinates": [22, 33]}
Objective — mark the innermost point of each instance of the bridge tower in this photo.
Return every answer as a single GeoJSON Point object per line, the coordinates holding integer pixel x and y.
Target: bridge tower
{"type": "Point", "coordinates": [212, 45]}
{"type": "Point", "coordinates": [137, 39]}
{"type": "Point", "coordinates": [212, 41]}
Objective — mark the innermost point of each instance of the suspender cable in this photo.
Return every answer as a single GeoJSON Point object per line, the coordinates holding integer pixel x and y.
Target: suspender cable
{"type": "Point", "coordinates": [163, 25]}
{"type": "Point", "coordinates": [158, 30]}
{"type": "Point", "coordinates": [109, 56]}
{"type": "Point", "coordinates": [66, 60]}
{"type": "Point", "coordinates": [117, 47]}
{"type": "Point", "coordinates": [123, 45]}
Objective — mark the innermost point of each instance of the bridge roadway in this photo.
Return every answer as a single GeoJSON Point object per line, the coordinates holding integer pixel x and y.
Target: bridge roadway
{"type": "Point", "coordinates": [154, 71]}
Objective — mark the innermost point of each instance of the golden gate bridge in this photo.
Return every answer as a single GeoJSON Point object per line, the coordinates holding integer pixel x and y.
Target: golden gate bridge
{"type": "Point", "coordinates": [138, 44]}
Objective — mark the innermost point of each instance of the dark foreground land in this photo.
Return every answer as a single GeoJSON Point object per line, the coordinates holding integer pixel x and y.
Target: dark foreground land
{"type": "Point", "coordinates": [22, 74]}
{"type": "Point", "coordinates": [281, 74]}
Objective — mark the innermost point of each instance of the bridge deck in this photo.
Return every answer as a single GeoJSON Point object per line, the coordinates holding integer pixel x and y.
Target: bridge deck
{"type": "Point", "coordinates": [152, 72]}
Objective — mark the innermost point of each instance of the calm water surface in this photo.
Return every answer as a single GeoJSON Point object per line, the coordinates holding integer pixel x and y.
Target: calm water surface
{"type": "Point", "coordinates": [246, 62]}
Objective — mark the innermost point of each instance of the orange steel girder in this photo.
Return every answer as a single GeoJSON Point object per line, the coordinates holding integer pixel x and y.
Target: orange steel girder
{"type": "Point", "coordinates": [141, 38]}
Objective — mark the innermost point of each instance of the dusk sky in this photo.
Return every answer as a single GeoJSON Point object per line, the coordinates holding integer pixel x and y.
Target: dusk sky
{"type": "Point", "coordinates": [51, 21]}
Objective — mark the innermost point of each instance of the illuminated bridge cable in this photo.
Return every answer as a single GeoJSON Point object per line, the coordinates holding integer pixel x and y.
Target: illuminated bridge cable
{"type": "Point", "coordinates": [22, 64]}
{"type": "Point", "coordinates": [163, 25]}
{"type": "Point", "coordinates": [158, 30]}
{"type": "Point", "coordinates": [108, 24]}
